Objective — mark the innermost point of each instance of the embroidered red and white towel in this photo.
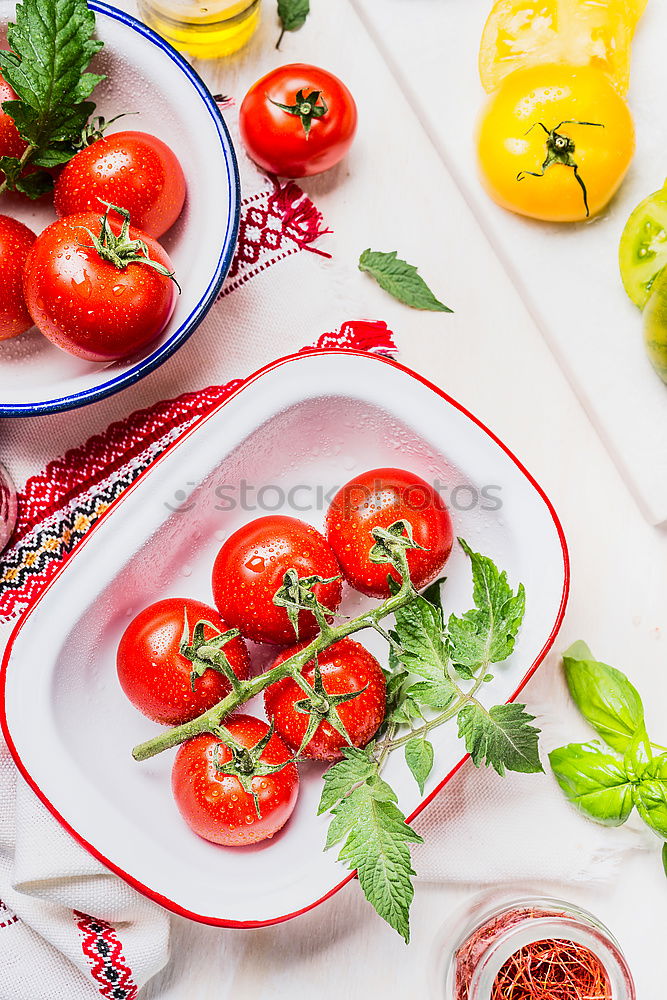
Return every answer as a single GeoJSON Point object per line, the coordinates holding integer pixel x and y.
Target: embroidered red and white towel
{"type": "Point", "coordinates": [68, 928]}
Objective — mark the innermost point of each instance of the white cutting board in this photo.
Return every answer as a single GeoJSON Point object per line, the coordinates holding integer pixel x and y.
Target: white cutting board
{"type": "Point", "coordinates": [567, 275]}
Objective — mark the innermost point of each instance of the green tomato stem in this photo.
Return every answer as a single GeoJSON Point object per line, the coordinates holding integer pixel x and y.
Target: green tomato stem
{"type": "Point", "coordinates": [291, 667]}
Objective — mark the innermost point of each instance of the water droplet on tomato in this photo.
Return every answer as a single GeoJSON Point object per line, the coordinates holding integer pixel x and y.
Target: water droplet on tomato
{"type": "Point", "coordinates": [118, 289]}
{"type": "Point", "coordinates": [83, 286]}
{"type": "Point", "coordinates": [256, 564]}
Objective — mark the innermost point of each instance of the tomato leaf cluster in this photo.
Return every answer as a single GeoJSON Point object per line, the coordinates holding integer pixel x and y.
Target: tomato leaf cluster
{"type": "Point", "coordinates": [51, 47]}
{"type": "Point", "coordinates": [365, 816]}
{"type": "Point", "coordinates": [607, 784]}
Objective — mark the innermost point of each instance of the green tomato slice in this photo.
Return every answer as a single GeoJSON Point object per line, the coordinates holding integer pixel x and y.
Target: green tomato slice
{"type": "Point", "coordinates": [643, 250]}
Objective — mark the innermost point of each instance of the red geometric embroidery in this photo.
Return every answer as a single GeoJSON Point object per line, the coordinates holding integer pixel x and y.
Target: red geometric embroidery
{"type": "Point", "coordinates": [7, 916]}
{"type": "Point", "coordinates": [105, 956]}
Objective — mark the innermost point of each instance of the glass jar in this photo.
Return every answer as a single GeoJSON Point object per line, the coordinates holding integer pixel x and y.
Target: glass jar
{"type": "Point", "coordinates": [492, 931]}
{"type": "Point", "coordinates": [208, 29]}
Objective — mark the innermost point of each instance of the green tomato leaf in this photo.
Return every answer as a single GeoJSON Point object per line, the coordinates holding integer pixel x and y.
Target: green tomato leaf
{"type": "Point", "coordinates": [341, 778]}
{"type": "Point", "coordinates": [664, 857]}
{"type": "Point", "coordinates": [293, 15]}
{"type": "Point", "coordinates": [595, 782]}
{"type": "Point", "coordinates": [376, 844]}
{"type": "Point", "coordinates": [487, 633]}
{"type": "Point", "coordinates": [52, 46]}
{"type": "Point", "coordinates": [650, 795]}
{"type": "Point", "coordinates": [34, 185]}
{"type": "Point", "coordinates": [435, 694]}
{"type": "Point", "coordinates": [419, 632]}
{"type": "Point", "coordinates": [419, 758]}
{"type": "Point", "coordinates": [433, 593]}
{"type": "Point", "coordinates": [604, 696]}
{"type": "Point", "coordinates": [400, 279]}
{"type": "Point", "coordinates": [501, 737]}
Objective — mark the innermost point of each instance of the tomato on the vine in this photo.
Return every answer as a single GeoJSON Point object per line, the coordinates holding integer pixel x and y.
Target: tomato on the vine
{"type": "Point", "coordinates": [555, 142]}
{"type": "Point", "coordinates": [135, 170]}
{"type": "Point", "coordinates": [16, 242]}
{"type": "Point", "coordinates": [379, 498]}
{"type": "Point", "coordinates": [345, 668]}
{"type": "Point", "coordinates": [251, 565]}
{"type": "Point", "coordinates": [154, 674]}
{"type": "Point", "coordinates": [298, 120]}
{"type": "Point", "coordinates": [92, 292]}
{"type": "Point", "coordinates": [215, 804]}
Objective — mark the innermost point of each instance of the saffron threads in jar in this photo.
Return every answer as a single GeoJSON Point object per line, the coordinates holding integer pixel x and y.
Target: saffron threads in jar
{"type": "Point", "coordinates": [549, 969]}
{"type": "Point", "coordinates": [552, 970]}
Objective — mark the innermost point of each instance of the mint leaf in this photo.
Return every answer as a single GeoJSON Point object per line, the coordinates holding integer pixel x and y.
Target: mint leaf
{"type": "Point", "coordinates": [400, 279]}
{"type": "Point", "coordinates": [376, 844]}
{"type": "Point", "coordinates": [501, 737]}
{"type": "Point", "coordinates": [293, 15]}
{"type": "Point", "coordinates": [650, 795]}
{"type": "Point", "coordinates": [419, 758]}
{"type": "Point", "coordinates": [487, 633]}
{"type": "Point", "coordinates": [604, 696]}
{"type": "Point", "coordinates": [52, 46]}
{"type": "Point", "coordinates": [341, 778]}
{"type": "Point", "coordinates": [593, 781]}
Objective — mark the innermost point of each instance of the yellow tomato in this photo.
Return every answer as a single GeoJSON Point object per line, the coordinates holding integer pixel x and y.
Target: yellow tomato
{"type": "Point", "coordinates": [522, 33]}
{"type": "Point", "coordinates": [540, 114]}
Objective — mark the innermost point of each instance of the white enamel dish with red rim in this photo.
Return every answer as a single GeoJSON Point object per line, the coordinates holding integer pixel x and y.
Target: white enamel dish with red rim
{"type": "Point", "coordinates": [144, 75]}
{"type": "Point", "coordinates": [310, 420]}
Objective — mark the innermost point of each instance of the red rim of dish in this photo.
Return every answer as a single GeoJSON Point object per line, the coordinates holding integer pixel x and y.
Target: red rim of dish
{"type": "Point", "coordinates": [135, 883]}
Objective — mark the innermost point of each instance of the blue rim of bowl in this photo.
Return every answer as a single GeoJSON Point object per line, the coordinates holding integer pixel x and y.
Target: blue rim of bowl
{"type": "Point", "coordinates": [190, 324]}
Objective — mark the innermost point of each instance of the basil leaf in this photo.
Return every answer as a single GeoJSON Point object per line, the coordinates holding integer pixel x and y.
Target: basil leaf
{"type": "Point", "coordinates": [400, 279]}
{"type": "Point", "coordinates": [651, 795]}
{"type": "Point", "coordinates": [604, 696]}
{"type": "Point", "coordinates": [293, 15]}
{"type": "Point", "coordinates": [595, 782]}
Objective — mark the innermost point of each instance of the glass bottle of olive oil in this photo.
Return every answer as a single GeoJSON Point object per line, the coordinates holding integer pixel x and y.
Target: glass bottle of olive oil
{"type": "Point", "coordinates": [207, 29]}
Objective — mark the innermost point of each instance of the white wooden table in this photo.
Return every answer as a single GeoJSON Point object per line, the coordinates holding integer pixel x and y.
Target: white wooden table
{"type": "Point", "coordinates": [396, 193]}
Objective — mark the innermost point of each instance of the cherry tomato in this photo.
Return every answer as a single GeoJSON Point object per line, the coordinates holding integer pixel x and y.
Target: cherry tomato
{"type": "Point", "coordinates": [215, 805]}
{"type": "Point", "coordinates": [556, 112]}
{"type": "Point", "coordinates": [156, 677]}
{"type": "Point", "coordinates": [87, 305]}
{"type": "Point", "coordinates": [16, 241]}
{"type": "Point", "coordinates": [250, 567]}
{"type": "Point", "coordinates": [311, 132]}
{"type": "Point", "coordinates": [377, 499]}
{"type": "Point", "coordinates": [132, 169]}
{"type": "Point", "coordinates": [11, 143]}
{"type": "Point", "coordinates": [345, 667]}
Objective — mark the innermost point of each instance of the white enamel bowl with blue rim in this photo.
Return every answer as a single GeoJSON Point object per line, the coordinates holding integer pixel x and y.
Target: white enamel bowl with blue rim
{"type": "Point", "coordinates": [283, 442]}
{"type": "Point", "coordinates": [144, 75]}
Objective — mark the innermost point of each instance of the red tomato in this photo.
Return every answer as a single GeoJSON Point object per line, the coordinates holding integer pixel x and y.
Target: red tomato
{"type": "Point", "coordinates": [132, 169]}
{"type": "Point", "coordinates": [16, 241]}
{"type": "Point", "coordinates": [250, 567]}
{"type": "Point", "coordinates": [11, 143]}
{"type": "Point", "coordinates": [311, 137]}
{"type": "Point", "coordinates": [379, 498]}
{"type": "Point", "coordinates": [154, 675]}
{"type": "Point", "coordinates": [345, 667]}
{"type": "Point", "coordinates": [87, 305]}
{"type": "Point", "coordinates": [215, 805]}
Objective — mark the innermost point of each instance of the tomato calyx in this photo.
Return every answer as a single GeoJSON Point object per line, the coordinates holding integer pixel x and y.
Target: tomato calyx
{"type": "Point", "coordinates": [321, 706]}
{"type": "Point", "coordinates": [296, 595]}
{"type": "Point", "coordinates": [96, 128]}
{"type": "Point", "coordinates": [392, 543]}
{"type": "Point", "coordinates": [120, 250]}
{"type": "Point", "coordinates": [306, 108]}
{"type": "Point", "coordinates": [560, 149]}
{"type": "Point", "coordinates": [207, 654]}
{"type": "Point", "coordinates": [246, 763]}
